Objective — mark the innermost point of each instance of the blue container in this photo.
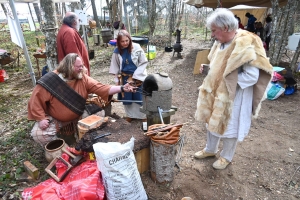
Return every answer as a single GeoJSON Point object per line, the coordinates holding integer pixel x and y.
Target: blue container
{"type": "Point", "coordinates": [113, 42]}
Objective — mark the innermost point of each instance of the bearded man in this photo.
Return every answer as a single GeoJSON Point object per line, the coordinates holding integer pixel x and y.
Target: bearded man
{"type": "Point", "coordinates": [234, 87]}
{"type": "Point", "coordinates": [58, 99]}
{"type": "Point", "coordinates": [68, 40]}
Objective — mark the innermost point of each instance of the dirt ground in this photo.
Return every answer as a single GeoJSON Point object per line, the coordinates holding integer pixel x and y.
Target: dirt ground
{"type": "Point", "coordinates": [265, 166]}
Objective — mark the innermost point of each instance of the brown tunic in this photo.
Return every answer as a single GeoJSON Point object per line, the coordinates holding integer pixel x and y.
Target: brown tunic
{"type": "Point", "coordinates": [43, 103]}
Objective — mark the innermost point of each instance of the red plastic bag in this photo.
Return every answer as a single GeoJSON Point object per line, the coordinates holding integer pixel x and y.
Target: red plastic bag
{"type": "Point", "coordinates": [83, 182]}
{"type": "Point", "coordinates": [3, 75]}
{"type": "Point", "coordinates": [277, 77]}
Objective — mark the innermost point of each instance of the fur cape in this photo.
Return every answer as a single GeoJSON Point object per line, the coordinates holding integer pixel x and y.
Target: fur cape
{"type": "Point", "coordinates": [217, 93]}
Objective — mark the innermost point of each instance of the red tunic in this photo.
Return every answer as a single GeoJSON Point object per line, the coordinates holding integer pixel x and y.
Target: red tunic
{"type": "Point", "coordinates": [241, 26]}
{"type": "Point", "coordinates": [43, 103]}
{"type": "Point", "coordinates": [69, 41]}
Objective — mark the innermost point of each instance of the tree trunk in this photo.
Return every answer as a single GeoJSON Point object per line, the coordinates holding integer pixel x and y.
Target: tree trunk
{"type": "Point", "coordinates": [74, 6]}
{"type": "Point", "coordinates": [37, 12]}
{"type": "Point", "coordinates": [95, 13]}
{"type": "Point", "coordinates": [59, 14]}
{"type": "Point", "coordinates": [120, 14]}
{"type": "Point", "coordinates": [57, 9]}
{"type": "Point", "coordinates": [274, 36]}
{"type": "Point", "coordinates": [289, 13]}
{"type": "Point", "coordinates": [281, 23]}
{"type": "Point", "coordinates": [63, 9]}
{"type": "Point", "coordinates": [82, 4]}
{"type": "Point", "coordinates": [167, 19]}
{"type": "Point", "coordinates": [126, 16]}
{"type": "Point", "coordinates": [4, 9]}
{"type": "Point", "coordinates": [114, 8]}
{"type": "Point", "coordinates": [186, 23]}
{"type": "Point", "coordinates": [139, 16]}
{"type": "Point", "coordinates": [205, 26]}
{"type": "Point", "coordinates": [293, 64]}
{"type": "Point", "coordinates": [180, 16]}
{"type": "Point", "coordinates": [171, 21]}
{"type": "Point", "coordinates": [49, 30]}
{"type": "Point", "coordinates": [152, 16]}
{"type": "Point", "coordinates": [282, 42]}
{"type": "Point", "coordinates": [31, 16]}
{"type": "Point", "coordinates": [109, 6]}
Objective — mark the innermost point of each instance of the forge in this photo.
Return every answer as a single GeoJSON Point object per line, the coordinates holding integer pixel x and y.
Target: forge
{"type": "Point", "coordinates": [157, 99]}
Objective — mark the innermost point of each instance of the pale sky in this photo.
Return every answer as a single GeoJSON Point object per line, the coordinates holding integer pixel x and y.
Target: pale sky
{"type": "Point", "coordinates": [23, 11]}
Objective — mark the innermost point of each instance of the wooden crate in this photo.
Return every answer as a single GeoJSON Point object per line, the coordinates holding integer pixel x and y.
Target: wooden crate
{"type": "Point", "coordinates": [142, 158]}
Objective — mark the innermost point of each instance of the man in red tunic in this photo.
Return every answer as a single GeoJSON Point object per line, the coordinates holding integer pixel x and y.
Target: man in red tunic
{"type": "Point", "coordinates": [50, 113]}
{"type": "Point", "coordinates": [69, 40]}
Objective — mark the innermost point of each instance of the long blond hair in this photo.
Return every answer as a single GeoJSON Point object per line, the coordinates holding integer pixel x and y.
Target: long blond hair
{"type": "Point", "coordinates": [65, 66]}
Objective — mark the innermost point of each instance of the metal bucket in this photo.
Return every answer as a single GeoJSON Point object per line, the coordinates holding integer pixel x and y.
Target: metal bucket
{"type": "Point", "coordinates": [91, 54]}
{"type": "Point", "coordinates": [96, 39]}
{"type": "Point", "coordinates": [106, 35]}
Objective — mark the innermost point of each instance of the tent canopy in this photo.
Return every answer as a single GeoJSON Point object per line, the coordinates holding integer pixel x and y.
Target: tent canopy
{"type": "Point", "coordinates": [20, 1]}
{"type": "Point", "coordinates": [258, 12]}
{"type": "Point", "coordinates": [37, 1]}
{"type": "Point", "coordinates": [231, 3]}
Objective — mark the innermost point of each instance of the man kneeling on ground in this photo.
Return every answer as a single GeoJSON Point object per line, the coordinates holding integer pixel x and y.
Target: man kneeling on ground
{"type": "Point", "coordinates": [58, 100]}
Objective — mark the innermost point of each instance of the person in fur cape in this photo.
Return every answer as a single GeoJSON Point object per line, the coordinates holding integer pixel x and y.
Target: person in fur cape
{"type": "Point", "coordinates": [234, 87]}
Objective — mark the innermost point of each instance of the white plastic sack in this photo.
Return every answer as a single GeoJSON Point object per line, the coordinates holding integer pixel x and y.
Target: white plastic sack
{"type": "Point", "coordinates": [274, 91]}
{"type": "Point", "coordinates": [117, 165]}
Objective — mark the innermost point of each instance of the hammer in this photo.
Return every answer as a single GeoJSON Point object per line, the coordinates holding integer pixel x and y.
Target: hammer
{"type": "Point", "coordinates": [75, 160]}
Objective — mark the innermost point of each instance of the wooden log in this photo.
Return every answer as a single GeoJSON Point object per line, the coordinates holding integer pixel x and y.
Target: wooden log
{"type": "Point", "coordinates": [162, 162]}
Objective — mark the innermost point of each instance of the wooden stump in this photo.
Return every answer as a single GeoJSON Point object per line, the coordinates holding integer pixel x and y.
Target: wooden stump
{"type": "Point", "coordinates": [162, 162]}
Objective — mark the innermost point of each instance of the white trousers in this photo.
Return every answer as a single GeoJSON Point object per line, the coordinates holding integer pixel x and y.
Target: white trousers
{"type": "Point", "coordinates": [229, 146]}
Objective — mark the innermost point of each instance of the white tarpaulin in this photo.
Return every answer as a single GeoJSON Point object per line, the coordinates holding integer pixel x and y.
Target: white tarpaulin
{"type": "Point", "coordinates": [14, 34]}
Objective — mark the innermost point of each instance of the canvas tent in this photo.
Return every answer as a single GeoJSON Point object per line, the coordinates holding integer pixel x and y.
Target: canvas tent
{"type": "Point", "coordinates": [231, 3]}
{"type": "Point", "coordinates": [259, 13]}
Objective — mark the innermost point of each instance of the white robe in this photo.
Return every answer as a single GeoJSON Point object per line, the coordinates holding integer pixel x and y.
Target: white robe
{"type": "Point", "coordinates": [240, 121]}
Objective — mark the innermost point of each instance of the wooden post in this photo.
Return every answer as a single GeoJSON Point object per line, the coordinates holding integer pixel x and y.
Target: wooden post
{"type": "Point", "coordinates": [162, 162]}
